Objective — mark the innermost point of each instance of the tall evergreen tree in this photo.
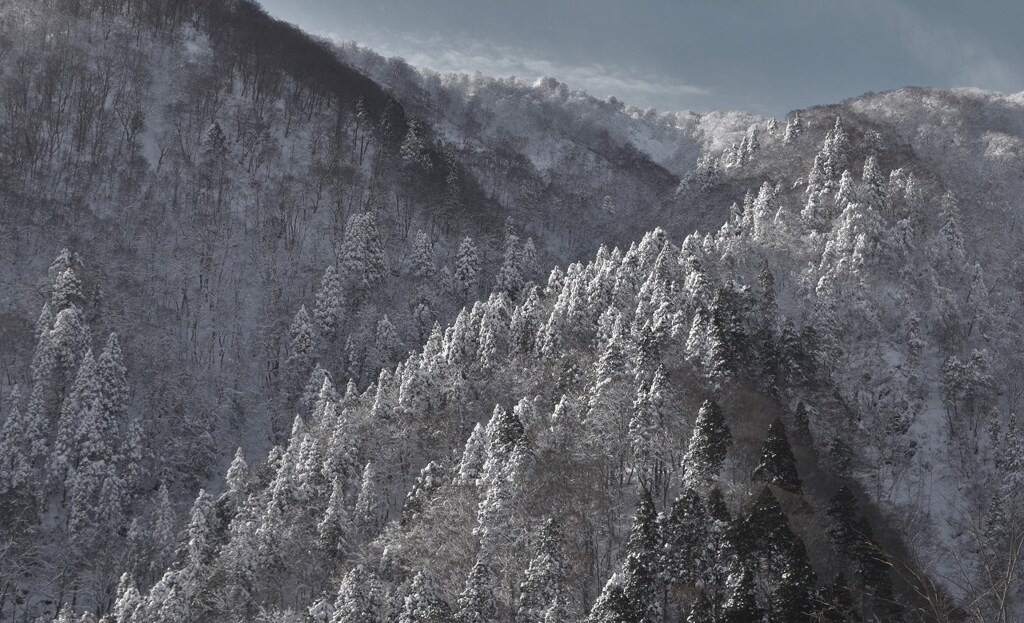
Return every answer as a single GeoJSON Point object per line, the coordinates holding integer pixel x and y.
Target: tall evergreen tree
{"type": "Point", "coordinates": [684, 535]}
{"type": "Point", "coordinates": [641, 563]}
{"type": "Point", "coordinates": [778, 466]}
{"type": "Point", "coordinates": [477, 603]}
{"type": "Point", "coordinates": [467, 269]}
{"type": "Point", "coordinates": [328, 309]}
{"type": "Point", "coordinates": [359, 598]}
{"type": "Point", "coordinates": [708, 445]}
{"type": "Point", "coordinates": [741, 604]}
{"type": "Point", "coordinates": [543, 589]}
{"type": "Point", "coordinates": [423, 603]}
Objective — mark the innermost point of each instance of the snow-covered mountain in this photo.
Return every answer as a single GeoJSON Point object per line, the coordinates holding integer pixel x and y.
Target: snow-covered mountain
{"type": "Point", "coordinates": [330, 338]}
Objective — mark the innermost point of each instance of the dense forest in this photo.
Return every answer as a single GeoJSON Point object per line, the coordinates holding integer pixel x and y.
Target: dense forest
{"type": "Point", "coordinates": [294, 332]}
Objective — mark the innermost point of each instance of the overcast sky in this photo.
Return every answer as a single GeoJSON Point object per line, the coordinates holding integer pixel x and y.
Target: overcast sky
{"type": "Point", "coordinates": [762, 56]}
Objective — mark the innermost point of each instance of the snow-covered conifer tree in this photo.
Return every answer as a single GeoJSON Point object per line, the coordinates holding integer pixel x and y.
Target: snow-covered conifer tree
{"type": "Point", "coordinates": [708, 445]}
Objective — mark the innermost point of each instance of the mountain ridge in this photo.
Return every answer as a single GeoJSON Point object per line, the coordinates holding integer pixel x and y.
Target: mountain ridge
{"type": "Point", "coordinates": [845, 292]}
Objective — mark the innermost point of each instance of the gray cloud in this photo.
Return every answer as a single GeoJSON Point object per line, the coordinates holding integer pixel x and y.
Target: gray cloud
{"type": "Point", "coordinates": [953, 50]}
{"type": "Point", "coordinates": [468, 56]}
{"type": "Point", "coordinates": [763, 57]}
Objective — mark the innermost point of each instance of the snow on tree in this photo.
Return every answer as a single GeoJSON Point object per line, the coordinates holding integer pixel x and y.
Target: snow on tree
{"type": "Point", "coordinates": [328, 310]}
{"type": "Point", "coordinates": [15, 445]}
{"type": "Point", "coordinates": [128, 601]}
{"type": "Point", "coordinates": [335, 525]}
{"type": "Point", "coordinates": [44, 323]}
{"type": "Point", "coordinates": [386, 343]}
{"type": "Point", "coordinates": [529, 260]}
{"type": "Point", "coordinates": [641, 563]}
{"type": "Point", "coordinates": [684, 535]}
{"type": "Point", "coordinates": [725, 342]}
{"type": "Point", "coordinates": [467, 269]}
{"type": "Point", "coordinates": [847, 191]}
{"type": "Point", "coordinates": [763, 541]}
{"type": "Point", "coordinates": [647, 433]}
{"type": "Point", "coordinates": [77, 422]}
{"type": "Point", "coordinates": [362, 254]}
{"type": "Point", "coordinates": [777, 465]}
{"type": "Point", "coordinates": [741, 604]}
{"type": "Point", "coordinates": [69, 339]}
{"type": "Point", "coordinates": [67, 292]}
{"type": "Point", "coordinates": [477, 602]}
{"type": "Point", "coordinates": [414, 150]}
{"type": "Point", "coordinates": [543, 588]}
{"type": "Point", "coordinates": [112, 377]}
{"type": "Point", "coordinates": [163, 528]}
{"type": "Point", "coordinates": [421, 262]}
{"type": "Point", "coordinates": [359, 598]}
{"type": "Point", "coordinates": [130, 458]}
{"type": "Point", "coordinates": [431, 478]}
{"type": "Point", "coordinates": [237, 478]}
{"type": "Point", "coordinates": [951, 238]}
{"type": "Point", "coordinates": [608, 206]}
{"type": "Point", "coordinates": [793, 129]}
{"type": "Point", "coordinates": [199, 533]}
{"type": "Point", "coordinates": [753, 143]}
{"type": "Point", "coordinates": [504, 432]}
{"type": "Point", "coordinates": [708, 445]}
{"type": "Point", "coordinates": [831, 160]}
{"type": "Point", "coordinates": [526, 323]}
{"type": "Point", "coordinates": [611, 605]}
{"type": "Point", "coordinates": [494, 334]}
{"type": "Point", "coordinates": [494, 513]}
{"type": "Point", "coordinates": [510, 276]}
{"type": "Point", "coordinates": [423, 603]}
{"type": "Point", "coordinates": [311, 393]}
{"type": "Point", "coordinates": [215, 145]}
{"type": "Point", "coordinates": [368, 503]}
{"type": "Point", "coordinates": [873, 185]}
{"type": "Point", "coordinates": [301, 351]}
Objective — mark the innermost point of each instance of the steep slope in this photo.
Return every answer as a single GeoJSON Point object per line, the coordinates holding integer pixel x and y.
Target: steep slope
{"type": "Point", "coordinates": [204, 164]}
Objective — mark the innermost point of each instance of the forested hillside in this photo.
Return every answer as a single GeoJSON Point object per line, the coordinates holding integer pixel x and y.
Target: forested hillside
{"type": "Point", "coordinates": [293, 332]}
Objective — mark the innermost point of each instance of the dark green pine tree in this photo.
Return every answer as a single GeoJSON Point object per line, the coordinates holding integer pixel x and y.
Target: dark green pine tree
{"type": "Point", "coordinates": [793, 601]}
{"type": "Point", "coordinates": [741, 605]}
{"type": "Point", "coordinates": [709, 444]}
{"type": "Point", "coordinates": [841, 521]}
{"type": "Point", "coordinates": [717, 552]}
{"type": "Point", "coordinates": [726, 339]}
{"type": "Point", "coordinates": [778, 555]}
{"type": "Point", "coordinates": [778, 466]}
{"type": "Point", "coordinates": [684, 535]}
{"type": "Point", "coordinates": [768, 527]}
{"type": "Point", "coordinates": [716, 506]}
{"type": "Point", "coordinates": [611, 606]}
{"type": "Point", "coordinates": [640, 566]}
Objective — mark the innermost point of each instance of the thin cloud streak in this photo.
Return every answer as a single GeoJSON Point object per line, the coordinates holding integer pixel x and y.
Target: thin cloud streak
{"type": "Point", "coordinates": [469, 56]}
